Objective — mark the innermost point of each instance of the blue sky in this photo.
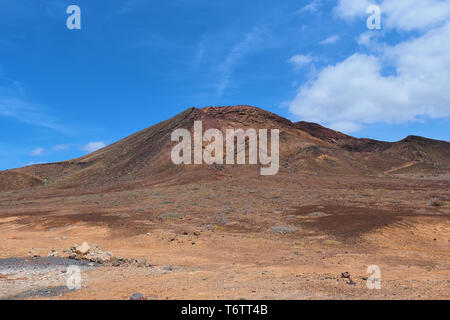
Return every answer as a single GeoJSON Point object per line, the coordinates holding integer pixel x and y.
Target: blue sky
{"type": "Point", "coordinates": [135, 63]}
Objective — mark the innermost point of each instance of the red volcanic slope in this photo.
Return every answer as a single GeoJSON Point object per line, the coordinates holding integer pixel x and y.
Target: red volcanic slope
{"type": "Point", "coordinates": [143, 158]}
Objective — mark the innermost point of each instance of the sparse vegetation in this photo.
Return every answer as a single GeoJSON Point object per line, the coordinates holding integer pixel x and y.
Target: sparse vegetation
{"type": "Point", "coordinates": [435, 202]}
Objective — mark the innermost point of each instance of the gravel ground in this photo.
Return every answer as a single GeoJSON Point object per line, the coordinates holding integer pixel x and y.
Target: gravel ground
{"type": "Point", "coordinates": [22, 278]}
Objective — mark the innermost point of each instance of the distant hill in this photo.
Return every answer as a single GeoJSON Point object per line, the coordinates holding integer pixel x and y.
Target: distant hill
{"type": "Point", "coordinates": [144, 158]}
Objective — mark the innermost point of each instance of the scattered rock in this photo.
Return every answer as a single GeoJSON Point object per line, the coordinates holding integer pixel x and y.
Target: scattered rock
{"type": "Point", "coordinates": [83, 249]}
{"type": "Point", "coordinates": [115, 262]}
{"type": "Point", "coordinates": [142, 263]}
{"type": "Point", "coordinates": [283, 229]}
{"type": "Point", "coordinates": [435, 202]}
{"type": "Point", "coordinates": [168, 267]}
{"type": "Point", "coordinates": [53, 253]}
{"type": "Point", "coordinates": [346, 275]}
{"type": "Point", "coordinates": [196, 233]}
{"type": "Point", "coordinates": [351, 282]}
{"type": "Point", "coordinates": [92, 254]}
{"type": "Point", "coordinates": [138, 296]}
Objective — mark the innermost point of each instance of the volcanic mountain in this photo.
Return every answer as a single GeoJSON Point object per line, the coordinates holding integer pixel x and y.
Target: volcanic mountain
{"type": "Point", "coordinates": [144, 158]}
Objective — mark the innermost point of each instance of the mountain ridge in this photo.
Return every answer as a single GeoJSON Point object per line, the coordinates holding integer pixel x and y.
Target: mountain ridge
{"type": "Point", "coordinates": [143, 158]}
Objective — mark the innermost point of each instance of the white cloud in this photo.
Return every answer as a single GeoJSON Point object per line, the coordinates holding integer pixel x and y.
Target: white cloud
{"type": "Point", "coordinates": [366, 38]}
{"type": "Point", "coordinates": [37, 152]}
{"type": "Point", "coordinates": [358, 90]}
{"type": "Point", "coordinates": [404, 15]}
{"type": "Point", "coordinates": [93, 146]}
{"type": "Point", "coordinates": [331, 39]}
{"type": "Point", "coordinates": [300, 60]}
{"type": "Point", "coordinates": [350, 9]}
{"type": "Point", "coordinates": [415, 14]}
{"type": "Point", "coordinates": [61, 147]}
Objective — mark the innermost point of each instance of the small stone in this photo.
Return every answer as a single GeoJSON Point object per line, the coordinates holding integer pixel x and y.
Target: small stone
{"type": "Point", "coordinates": [196, 233]}
{"type": "Point", "coordinates": [345, 275]}
{"type": "Point", "coordinates": [282, 229]}
{"type": "Point", "coordinates": [351, 282]}
{"type": "Point", "coordinates": [137, 296]}
{"type": "Point", "coordinates": [141, 263]}
{"type": "Point", "coordinates": [116, 262]}
{"type": "Point", "coordinates": [83, 249]}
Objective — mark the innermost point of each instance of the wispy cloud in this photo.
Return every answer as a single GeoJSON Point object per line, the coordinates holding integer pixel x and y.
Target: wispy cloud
{"type": "Point", "coordinates": [313, 6]}
{"type": "Point", "coordinates": [198, 56]}
{"type": "Point", "coordinates": [29, 113]}
{"type": "Point", "coordinates": [93, 146]}
{"type": "Point", "coordinates": [331, 39]}
{"type": "Point", "coordinates": [61, 147]}
{"type": "Point", "coordinates": [37, 152]}
{"type": "Point", "coordinates": [300, 60]}
{"type": "Point", "coordinates": [15, 104]}
{"type": "Point", "coordinates": [250, 43]}
{"type": "Point", "coordinates": [127, 6]}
